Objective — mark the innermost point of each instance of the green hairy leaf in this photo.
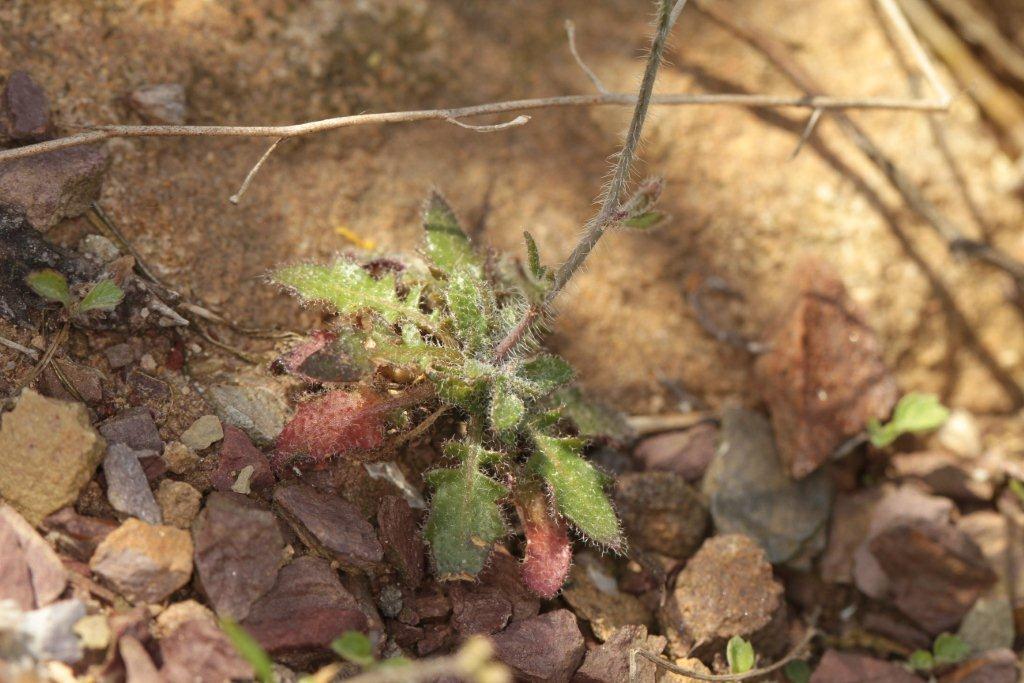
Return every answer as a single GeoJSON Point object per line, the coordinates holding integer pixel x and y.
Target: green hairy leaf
{"type": "Point", "coordinates": [506, 409]}
{"type": "Point", "coordinates": [349, 289]}
{"type": "Point", "coordinates": [250, 650]}
{"type": "Point", "coordinates": [447, 246]}
{"type": "Point", "coordinates": [578, 488]}
{"type": "Point", "coordinates": [464, 295]}
{"type": "Point", "coordinates": [538, 271]}
{"type": "Point", "coordinates": [592, 420]}
{"type": "Point", "coordinates": [50, 285]}
{"type": "Point", "coordinates": [950, 649]}
{"type": "Point", "coordinates": [740, 655]}
{"type": "Point", "coordinates": [547, 372]}
{"type": "Point", "coordinates": [465, 519]}
{"type": "Point", "coordinates": [355, 647]}
{"type": "Point", "coordinates": [104, 296]}
{"type": "Point", "coordinates": [915, 413]}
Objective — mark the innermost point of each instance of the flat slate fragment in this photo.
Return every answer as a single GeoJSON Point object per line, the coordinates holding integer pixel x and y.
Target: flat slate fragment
{"type": "Point", "coordinates": [330, 523]}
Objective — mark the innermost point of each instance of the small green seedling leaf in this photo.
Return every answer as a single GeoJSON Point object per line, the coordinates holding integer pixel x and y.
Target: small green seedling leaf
{"type": "Point", "coordinates": [921, 660]}
{"type": "Point", "coordinates": [740, 655]}
{"type": "Point", "coordinates": [250, 650]}
{"type": "Point", "coordinates": [506, 409]}
{"type": "Point", "coordinates": [355, 647]}
{"type": "Point", "coordinates": [464, 520]}
{"type": "Point", "coordinates": [447, 246]}
{"type": "Point", "coordinates": [797, 671]}
{"type": "Point", "coordinates": [914, 414]}
{"type": "Point", "coordinates": [349, 289]}
{"type": "Point", "coordinates": [644, 221]}
{"type": "Point", "coordinates": [949, 649]}
{"type": "Point", "coordinates": [104, 296]}
{"type": "Point", "coordinates": [50, 285]}
{"type": "Point", "coordinates": [578, 488]}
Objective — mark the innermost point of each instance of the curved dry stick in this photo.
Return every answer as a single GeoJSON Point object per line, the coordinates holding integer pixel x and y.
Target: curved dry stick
{"type": "Point", "coordinates": [570, 32]}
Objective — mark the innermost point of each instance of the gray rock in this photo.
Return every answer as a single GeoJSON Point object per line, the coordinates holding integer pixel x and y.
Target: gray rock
{"type": "Point", "coordinates": [203, 433]}
{"type": "Point", "coordinates": [54, 185]}
{"type": "Point", "coordinates": [162, 103]}
{"type": "Point", "coordinates": [134, 428]}
{"type": "Point", "coordinates": [48, 452]}
{"type": "Point", "coordinates": [48, 633]}
{"type": "Point", "coordinates": [752, 494]}
{"type": "Point", "coordinates": [988, 625]}
{"type": "Point", "coordinates": [24, 109]}
{"type": "Point", "coordinates": [119, 355]}
{"type": "Point", "coordinates": [255, 407]}
{"type": "Point", "coordinates": [127, 487]}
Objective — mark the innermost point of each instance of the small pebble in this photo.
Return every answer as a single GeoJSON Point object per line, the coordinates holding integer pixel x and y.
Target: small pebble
{"type": "Point", "coordinates": [203, 433]}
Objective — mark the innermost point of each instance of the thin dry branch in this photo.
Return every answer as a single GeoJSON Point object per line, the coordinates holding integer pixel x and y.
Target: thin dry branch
{"type": "Point", "coordinates": [981, 31]}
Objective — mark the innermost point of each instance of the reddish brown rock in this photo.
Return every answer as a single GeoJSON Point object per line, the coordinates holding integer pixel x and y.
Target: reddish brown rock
{"type": "Point", "coordinates": [134, 428]}
{"type": "Point", "coordinates": [236, 453]}
{"type": "Point", "coordinates": [199, 651]}
{"type": "Point", "coordinates": [609, 663]}
{"type": "Point", "coordinates": [851, 520]}
{"type": "Point", "coordinates": [946, 474]}
{"type": "Point", "coordinates": [144, 562]}
{"type": "Point", "coordinates": [31, 574]}
{"type": "Point", "coordinates": [936, 572]}
{"type": "Point", "coordinates": [24, 109]}
{"type": "Point", "coordinates": [687, 453]}
{"type": "Point", "coordinates": [502, 572]}
{"type": "Point", "coordinates": [77, 535]}
{"type": "Point", "coordinates": [547, 647]}
{"type": "Point", "coordinates": [328, 522]}
{"type": "Point", "coordinates": [823, 377]}
{"type": "Point", "coordinates": [727, 589]}
{"type": "Point", "coordinates": [400, 536]}
{"type": "Point", "coordinates": [845, 667]}
{"type": "Point", "coordinates": [306, 609]}
{"type": "Point", "coordinates": [138, 665]}
{"type": "Point", "coordinates": [594, 595]}
{"type": "Point", "coordinates": [238, 552]}
{"type": "Point", "coordinates": [478, 609]}
{"type": "Point", "coordinates": [661, 512]}
{"type": "Point", "coordinates": [995, 666]}
{"type": "Point", "coordinates": [54, 185]}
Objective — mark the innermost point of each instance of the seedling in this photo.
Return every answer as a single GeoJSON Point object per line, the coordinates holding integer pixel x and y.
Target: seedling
{"type": "Point", "coordinates": [947, 649]}
{"type": "Point", "coordinates": [105, 295]}
{"type": "Point", "coordinates": [739, 653]}
{"type": "Point", "coordinates": [914, 414]}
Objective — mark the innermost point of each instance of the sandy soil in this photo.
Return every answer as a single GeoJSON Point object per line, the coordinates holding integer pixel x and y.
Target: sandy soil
{"type": "Point", "coordinates": [740, 210]}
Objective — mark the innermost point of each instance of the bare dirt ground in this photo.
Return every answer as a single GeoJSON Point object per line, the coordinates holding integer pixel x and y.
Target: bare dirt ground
{"type": "Point", "coordinates": [740, 210]}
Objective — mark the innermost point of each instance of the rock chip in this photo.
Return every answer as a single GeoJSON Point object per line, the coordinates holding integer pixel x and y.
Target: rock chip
{"type": "Point", "coordinates": [661, 512]}
{"type": "Point", "coordinates": [199, 651]}
{"type": "Point", "coordinates": [896, 505]}
{"type": "Point", "coordinates": [945, 474]}
{"type": "Point", "coordinates": [329, 523]}
{"type": "Point", "coordinates": [31, 574]}
{"type": "Point", "coordinates": [238, 552]}
{"type": "Point", "coordinates": [77, 535]}
{"type": "Point", "coordinates": [237, 453]}
{"type": "Point", "coordinates": [48, 451]}
{"type": "Point", "coordinates": [846, 667]}
{"type": "Point", "coordinates": [547, 647]}
{"type": "Point", "coordinates": [503, 573]}
{"type": "Point", "coordinates": [851, 520]}
{"type": "Point", "coordinates": [1001, 541]}
{"type": "Point", "coordinates": [144, 562]}
{"type": "Point", "coordinates": [988, 625]}
{"type": "Point", "coordinates": [609, 663]}
{"type": "Point", "coordinates": [203, 433]}
{"type": "Point", "coordinates": [179, 613]}
{"type": "Point", "coordinates": [726, 589]}
{"type": "Point", "coordinates": [751, 492]}
{"type": "Point", "coordinates": [306, 609]}
{"type": "Point", "coordinates": [400, 536]}
{"type": "Point", "coordinates": [179, 502]}
{"type": "Point", "coordinates": [996, 666]}
{"type": "Point", "coordinates": [180, 459]}
{"type": "Point", "coordinates": [823, 377]}
{"type": "Point", "coordinates": [961, 434]}
{"type": "Point", "coordinates": [134, 428]}
{"type": "Point", "coordinates": [43, 634]}
{"type": "Point", "coordinates": [253, 405]}
{"type": "Point", "coordinates": [24, 109]}
{"type": "Point", "coordinates": [160, 104]}
{"type": "Point", "coordinates": [687, 453]}
{"type": "Point", "coordinates": [478, 609]}
{"type": "Point", "coordinates": [138, 665]}
{"type": "Point", "coordinates": [54, 185]}
{"type": "Point", "coordinates": [594, 595]}
{"type": "Point", "coordinates": [119, 356]}
{"type": "Point", "coordinates": [127, 486]}
{"type": "Point", "coordinates": [924, 560]}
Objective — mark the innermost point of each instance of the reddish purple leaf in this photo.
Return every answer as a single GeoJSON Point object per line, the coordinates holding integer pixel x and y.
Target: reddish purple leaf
{"type": "Point", "coordinates": [335, 423]}
{"type": "Point", "coordinates": [548, 553]}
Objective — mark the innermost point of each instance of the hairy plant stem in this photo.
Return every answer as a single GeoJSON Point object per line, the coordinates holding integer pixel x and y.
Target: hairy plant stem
{"type": "Point", "coordinates": [607, 215]}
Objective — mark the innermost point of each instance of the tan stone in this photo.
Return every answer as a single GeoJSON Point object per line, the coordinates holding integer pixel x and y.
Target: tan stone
{"type": "Point", "coordinates": [144, 562]}
{"type": "Point", "coordinates": [48, 452]}
{"type": "Point", "coordinates": [179, 503]}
